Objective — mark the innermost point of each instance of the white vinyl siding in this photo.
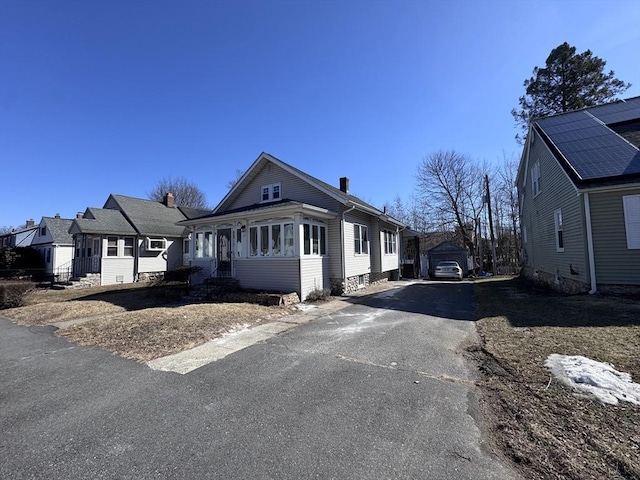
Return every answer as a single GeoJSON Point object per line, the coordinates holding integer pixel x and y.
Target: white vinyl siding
{"type": "Point", "coordinates": [295, 189]}
{"type": "Point", "coordinates": [275, 274]}
{"type": "Point", "coordinates": [314, 275]}
{"type": "Point", "coordinates": [116, 270]}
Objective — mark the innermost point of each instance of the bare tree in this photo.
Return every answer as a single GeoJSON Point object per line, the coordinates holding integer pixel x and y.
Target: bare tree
{"type": "Point", "coordinates": [506, 199]}
{"type": "Point", "coordinates": [451, 184]}
{"type": "Point", "coordinates": [186, 194]}
{"type": "Point", "coordinates": [238, 176]}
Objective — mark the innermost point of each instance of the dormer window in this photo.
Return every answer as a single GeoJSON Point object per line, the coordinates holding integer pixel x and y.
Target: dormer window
{"type": "Point", "coordinates": [271, 192]}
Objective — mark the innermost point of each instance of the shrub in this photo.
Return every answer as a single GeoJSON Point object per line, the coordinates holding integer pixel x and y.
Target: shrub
{"type": "Point", "coordinates": [318, 295]}
{"type": "Point", "coordinates": [181, 274]}
{"type": "Point", "coordinates": [12, 294]}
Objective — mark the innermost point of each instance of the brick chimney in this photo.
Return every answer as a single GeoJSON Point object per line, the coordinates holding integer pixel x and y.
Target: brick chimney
{"type": "Point", "coordinates": [344, 184]}
{"type": "Point", "coordinates": [80, 215]}
{"type": "Point", "coordinates": [169, 200]}
{"type": "Point", "coordinates": [30, 223]}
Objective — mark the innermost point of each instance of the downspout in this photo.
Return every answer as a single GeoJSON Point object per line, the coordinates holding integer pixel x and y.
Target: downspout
{"type": "Point", "coordinates": [401, 249]}
{"type": "Point", "coordinates": [342, 249]}
{"type": "Point", "coordinates": [592, 260]}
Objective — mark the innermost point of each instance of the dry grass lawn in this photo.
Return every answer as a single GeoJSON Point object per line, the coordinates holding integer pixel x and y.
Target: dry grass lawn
{"type": "Point", "coordinates": [138, 322]}
{"type": "Point", "coordinates": [540, 424]}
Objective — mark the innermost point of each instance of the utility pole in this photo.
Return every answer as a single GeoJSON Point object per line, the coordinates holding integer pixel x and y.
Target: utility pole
{"type": "Point", "coordinates": [493, 239]}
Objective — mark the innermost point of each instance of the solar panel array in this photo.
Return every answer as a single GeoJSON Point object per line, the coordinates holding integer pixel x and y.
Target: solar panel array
{"type": "Point", "coordinates": [594, 150]}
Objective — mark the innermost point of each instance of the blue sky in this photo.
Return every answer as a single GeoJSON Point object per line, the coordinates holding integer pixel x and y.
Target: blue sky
{"type": "Point", "coordinates": [100, 97]}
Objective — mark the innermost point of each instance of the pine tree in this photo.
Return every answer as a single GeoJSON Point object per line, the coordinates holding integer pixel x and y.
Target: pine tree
{"type": "Point", "coordinates": [569, 81]}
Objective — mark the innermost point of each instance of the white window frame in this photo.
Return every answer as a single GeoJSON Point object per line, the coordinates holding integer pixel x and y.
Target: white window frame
{"type": "Point", "coordinates": [155, 244]}
{"type": "Point", "coordinates": [270, 193]}
{"type": "Point", "coordinates": [121, 246]}
{"type": "Point", "coordinates": [314, 239]}
{"type": "Point", "coordinates": [203, 244]}
{"type": "Point", "coordinates": [559, 229]}
{"type": "Point", "coordinates": [390, 243]}
{"type": "Point", "coordinates": [535, 179]}
{"type": "Point", "coordinates": [267, 245]}
{"type": "Point", "coordinates": [360, 239]}
{"type": "Point", "coordinates": [631, 207]}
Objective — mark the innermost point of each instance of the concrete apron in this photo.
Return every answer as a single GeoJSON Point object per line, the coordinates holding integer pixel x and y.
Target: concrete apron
{"type": "Point", "coordinates": [218, 348]}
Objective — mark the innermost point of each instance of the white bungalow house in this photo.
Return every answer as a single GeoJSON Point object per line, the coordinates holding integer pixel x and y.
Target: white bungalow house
{"type": "Point", "coordinates": [55, 244]}
{"type": "Point", "coordinates": [280, 229]}
{"type": "Point", "coordinates": [130, 239]}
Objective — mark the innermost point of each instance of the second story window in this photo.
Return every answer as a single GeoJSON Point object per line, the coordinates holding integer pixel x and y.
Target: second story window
{"type": "Point", "coordinates": [535, 178]}
{"type": "Point", "coordinates": [270, 193]}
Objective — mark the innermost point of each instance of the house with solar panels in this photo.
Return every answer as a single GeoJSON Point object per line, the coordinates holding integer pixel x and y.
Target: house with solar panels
{"type": "Point", "coordinates": [579, 190]}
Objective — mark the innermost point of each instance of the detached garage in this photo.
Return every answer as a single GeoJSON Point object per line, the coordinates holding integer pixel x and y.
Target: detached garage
{"type": "Point", "coordinates": [447, 251]}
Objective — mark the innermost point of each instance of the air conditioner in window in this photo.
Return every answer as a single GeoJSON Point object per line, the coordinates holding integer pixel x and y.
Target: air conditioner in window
{"type": "Point", "coordinates": [155, 244]}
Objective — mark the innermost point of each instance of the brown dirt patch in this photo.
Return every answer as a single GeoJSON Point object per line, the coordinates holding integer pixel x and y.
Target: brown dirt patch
{"type": "Point", "coordinates": [538, 423]}
{"type": "Point", "coordinates": [152, 333]}
{"type": "Point", "coordinates": [139, 321]}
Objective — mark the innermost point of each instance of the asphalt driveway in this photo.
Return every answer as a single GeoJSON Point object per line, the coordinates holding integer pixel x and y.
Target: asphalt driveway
{"type": "Point", "coordinates": [378, 389]}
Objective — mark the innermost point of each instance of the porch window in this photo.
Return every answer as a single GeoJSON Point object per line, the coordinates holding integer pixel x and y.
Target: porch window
{"type": "Point", "coordinates": [253, 241]}
{"type": "Point", "coordinates": [208, 244]}
{"type": "Point", "coordinates": [272, 240]}
{"type": "Point", "coordinates": [264, 240]}
{"type": "Point", "coordinates": [276, 240]}
{"type": "Point", "coordinates": [288, 240]}
{"type": "Point", "coordinates": [112, 246]}
{"type": "Point", "coordinates": [238, 243]}
{"type": "Point", "coordinates": [314, 239]}
{"type": "Point", "coordinates": [361, 239]}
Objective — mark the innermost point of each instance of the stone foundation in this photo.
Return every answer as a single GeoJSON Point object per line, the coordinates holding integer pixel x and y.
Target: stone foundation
{"type": "Point", "coordinates": [560, 284]}
{"type": "Point", "coordinates": [151, 277]}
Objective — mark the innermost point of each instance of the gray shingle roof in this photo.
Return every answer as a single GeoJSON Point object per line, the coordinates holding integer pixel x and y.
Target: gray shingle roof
{"type": "Point", "coordinates": [151, 218]}
{"type": "Point", "coordinates": [59, 229]}
{"type": "Point", "coordinates": [103, 221]}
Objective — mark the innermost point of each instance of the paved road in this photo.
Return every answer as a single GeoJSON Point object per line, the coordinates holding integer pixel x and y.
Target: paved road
{"type": "Point", "coordinates": [378, 389]}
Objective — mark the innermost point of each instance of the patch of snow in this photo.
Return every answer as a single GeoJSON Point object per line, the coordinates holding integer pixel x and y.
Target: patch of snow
{"type": "Point", "coordinates": [305, 307]}
{"type": "Point", "coordinates": [233, 331]}
{"type": "Point", "coordinates": [594, 378]}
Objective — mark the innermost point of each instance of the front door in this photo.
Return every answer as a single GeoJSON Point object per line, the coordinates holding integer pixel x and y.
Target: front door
{"type": "Point", "coordinates": [224, 252]}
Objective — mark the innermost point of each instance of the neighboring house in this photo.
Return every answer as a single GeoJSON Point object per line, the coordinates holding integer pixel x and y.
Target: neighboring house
{"type": "Point", "coordinates": [19, 237]}
{"type": "Point", "coordinates": [55, 244]}
{"type": "Point", "coordinates": [579, 191]}
{"type": "Point", "coordinates": [281, 229]}
{"type": "Point", "coordinates": [130, 239]}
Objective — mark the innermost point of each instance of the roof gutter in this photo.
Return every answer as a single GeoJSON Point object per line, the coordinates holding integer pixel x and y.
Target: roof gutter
{"type": "Point", "coordinates": [590, 253]}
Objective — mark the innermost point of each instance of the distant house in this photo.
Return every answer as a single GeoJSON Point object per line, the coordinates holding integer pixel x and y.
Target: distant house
{"type": "Point", "coordinates": [55, 244]}
{"type": "Point", "coordinates": [281, 229]}
{"type": "Point", "coordinates": [579, 191]}
{"type": "Point", "coordinates": [19, 237]}
{"type": "Point", "coordinates": [130, 239]}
